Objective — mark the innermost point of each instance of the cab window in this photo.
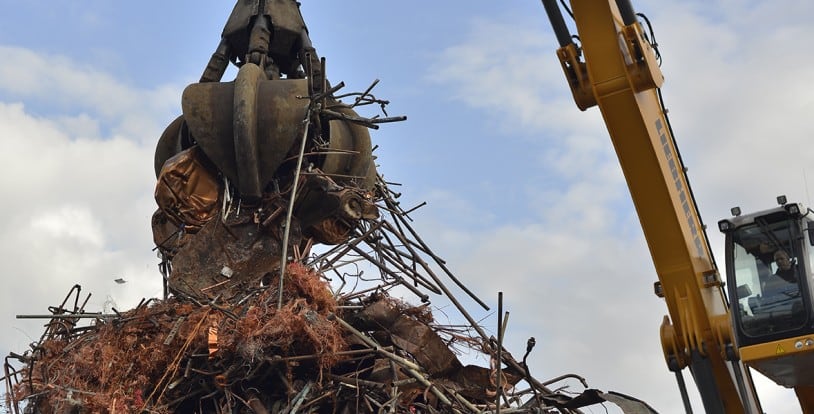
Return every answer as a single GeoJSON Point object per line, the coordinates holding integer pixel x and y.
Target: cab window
{"type": "Point", "coordinates": [767, 273]}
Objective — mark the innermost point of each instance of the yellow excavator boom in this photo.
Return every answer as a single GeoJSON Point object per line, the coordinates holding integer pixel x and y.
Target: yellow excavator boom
{"type": "Point", "coordinates": [615, 68]}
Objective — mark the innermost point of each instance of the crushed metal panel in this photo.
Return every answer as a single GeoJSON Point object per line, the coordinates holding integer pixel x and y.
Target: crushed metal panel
{"type": "Point", "coordinates": [421, 341]}
{"type": "Point", "coordinates": [628, 404]}
{"type": "Point", "coordinates": [187, 190]}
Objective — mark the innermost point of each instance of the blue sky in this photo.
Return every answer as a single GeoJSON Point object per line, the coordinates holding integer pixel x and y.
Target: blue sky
{"type": "Point", "coordinates": [524, 191]}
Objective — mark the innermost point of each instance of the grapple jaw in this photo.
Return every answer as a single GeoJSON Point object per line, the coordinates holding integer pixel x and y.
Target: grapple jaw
{"type": "Point", "coordinates": [250, 127]}
{"type": "Point", "coordinates": [266, 162]}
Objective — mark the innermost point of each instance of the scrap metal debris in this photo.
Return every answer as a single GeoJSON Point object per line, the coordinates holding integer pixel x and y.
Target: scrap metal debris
{"type": "Point", "coordinates": [331, 347]}
{"type": "Point", "coordinates": [271, 219]}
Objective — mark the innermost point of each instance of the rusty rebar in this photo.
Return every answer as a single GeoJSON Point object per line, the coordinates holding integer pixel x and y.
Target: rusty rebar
{"type": "Point", "coordinates": [356, 381]}
{"type": "Point", "coordinates": [407, 365]}
{"type": "Point", "coordinates": [313, 401]}
{"type": "Point", "coordinates": [387, 256]}
{"type": "Point", "coordinates": [9, 373]}
{"type": "Point", "coordinates": [447, 292]}
{"type": "Point", "coordinates": [355, 295]}
{"type": "Point", "coordinates": [284, 255]}
{"type": "Point", "coordinates": [411, 273]}
{"type": "Point", "coordinates": [365, 93]}
{"type": "Point", "coordinates": [390, 247]}
{"type": "Point", "coordinates": [499, 382]}
{"type": "Point", "coordinates": [346, 247]}
{"type": "Point", "coordinates": [315, 356]}
{"type": "Point", "coordinates": [383, 267]}
{"type": "Point", "coordinates": [443, 266]}
{"type": "Point", "coordinates": [71, 316]}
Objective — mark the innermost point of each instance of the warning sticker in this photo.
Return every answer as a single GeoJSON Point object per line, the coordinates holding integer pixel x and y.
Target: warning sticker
{"type": "Point", "coordinates": [779, 350]}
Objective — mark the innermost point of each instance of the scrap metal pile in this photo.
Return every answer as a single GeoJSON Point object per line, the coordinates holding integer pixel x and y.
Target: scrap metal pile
{"type": "Point", "coordinates": [326, 349]}
{"type": "Point", "coordinates": [271, 220]}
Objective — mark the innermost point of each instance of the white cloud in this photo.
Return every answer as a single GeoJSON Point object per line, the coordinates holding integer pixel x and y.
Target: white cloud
{"type": "Point", "coordinates": [58, 80]}
{"type": "Point", "coordinates": [518, 81]}
{"type": "Point", "coordinates": [738, 93]}
{"type": "Point", "coordinates": [75, 224]}
{"type": "Point", "coordinates": [77, 189]}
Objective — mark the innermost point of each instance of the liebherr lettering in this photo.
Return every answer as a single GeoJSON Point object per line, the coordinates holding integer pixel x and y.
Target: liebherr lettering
{"type": "Point", "coordinates": [681, 189]}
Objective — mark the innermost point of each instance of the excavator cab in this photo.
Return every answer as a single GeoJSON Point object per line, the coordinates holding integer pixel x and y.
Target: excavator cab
{"type": "Point", "coordinates": [769, 257]}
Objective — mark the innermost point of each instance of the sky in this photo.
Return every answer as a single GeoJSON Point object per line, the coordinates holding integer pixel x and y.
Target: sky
{"type": "Point", "coordinates": [525, 195]}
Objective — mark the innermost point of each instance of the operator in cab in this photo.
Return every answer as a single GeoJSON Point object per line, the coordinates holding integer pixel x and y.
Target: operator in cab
{"type": "Point", "coordinates": [786, 270]}
{"type": "Point", "coordinates": [784, 279]}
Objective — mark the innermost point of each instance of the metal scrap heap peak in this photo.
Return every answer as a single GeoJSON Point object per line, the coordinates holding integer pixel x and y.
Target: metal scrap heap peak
{"type": "Point", "coordinates": [270, 210]}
